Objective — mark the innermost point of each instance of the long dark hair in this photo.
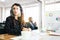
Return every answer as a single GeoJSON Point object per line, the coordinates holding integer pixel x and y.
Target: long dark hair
{"type": "Point", "coordinates": [11, 11]}
{"type": "Point", "coordinates": [12, 14]}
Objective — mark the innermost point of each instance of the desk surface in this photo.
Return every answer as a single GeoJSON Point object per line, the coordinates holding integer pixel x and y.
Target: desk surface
{"type": "Point", "coordinates": [6, 36]}
{"type": "Point", "coordinates": [53, 34]}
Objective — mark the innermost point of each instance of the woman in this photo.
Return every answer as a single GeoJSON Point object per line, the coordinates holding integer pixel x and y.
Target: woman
{"type": "Point", "coordinates": [13, 23]}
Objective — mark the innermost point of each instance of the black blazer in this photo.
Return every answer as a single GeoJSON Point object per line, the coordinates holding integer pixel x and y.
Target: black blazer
{"type": "Point", "coordinates": [10, 28]}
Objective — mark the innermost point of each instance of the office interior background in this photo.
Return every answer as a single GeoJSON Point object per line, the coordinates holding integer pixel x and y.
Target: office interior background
{"type": "Point", "coordinates": [46, 13]}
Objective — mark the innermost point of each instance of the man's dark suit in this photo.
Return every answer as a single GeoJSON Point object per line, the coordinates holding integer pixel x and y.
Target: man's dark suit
{"type": "Point", "coordinates": [29, 25]}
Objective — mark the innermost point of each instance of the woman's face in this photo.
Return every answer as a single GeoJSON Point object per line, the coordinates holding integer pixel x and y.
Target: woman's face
{"type": "Point", "coordinates": [16, 10]}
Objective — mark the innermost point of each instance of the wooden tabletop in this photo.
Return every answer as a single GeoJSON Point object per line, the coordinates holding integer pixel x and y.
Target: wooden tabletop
{"type": "Point", "coordinates": [6, 36]}
{"type": "Point", "coordinates": [53, 34]}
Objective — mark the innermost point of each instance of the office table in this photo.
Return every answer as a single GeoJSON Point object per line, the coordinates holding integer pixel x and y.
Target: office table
{"type": "Point", "coordinates": [5, 36]}
{"type": "Point", "coordinates": [43, 36]}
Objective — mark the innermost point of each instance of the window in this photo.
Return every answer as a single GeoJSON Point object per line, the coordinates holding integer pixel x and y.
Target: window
{"type": "Point", "coordinates": [6, 13]}
{"type": "Point", "coordinates": [0, 14]}
{"type": "Point", "coordinates": [34, 12]}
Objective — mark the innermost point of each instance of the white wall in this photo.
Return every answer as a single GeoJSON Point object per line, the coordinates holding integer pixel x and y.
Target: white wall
{"type": "Point", "coordinates": [52, 11]}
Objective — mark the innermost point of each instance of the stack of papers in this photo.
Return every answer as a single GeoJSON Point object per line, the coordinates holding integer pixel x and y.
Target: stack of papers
{"type": "Point", "coordinates": [17, 38]}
